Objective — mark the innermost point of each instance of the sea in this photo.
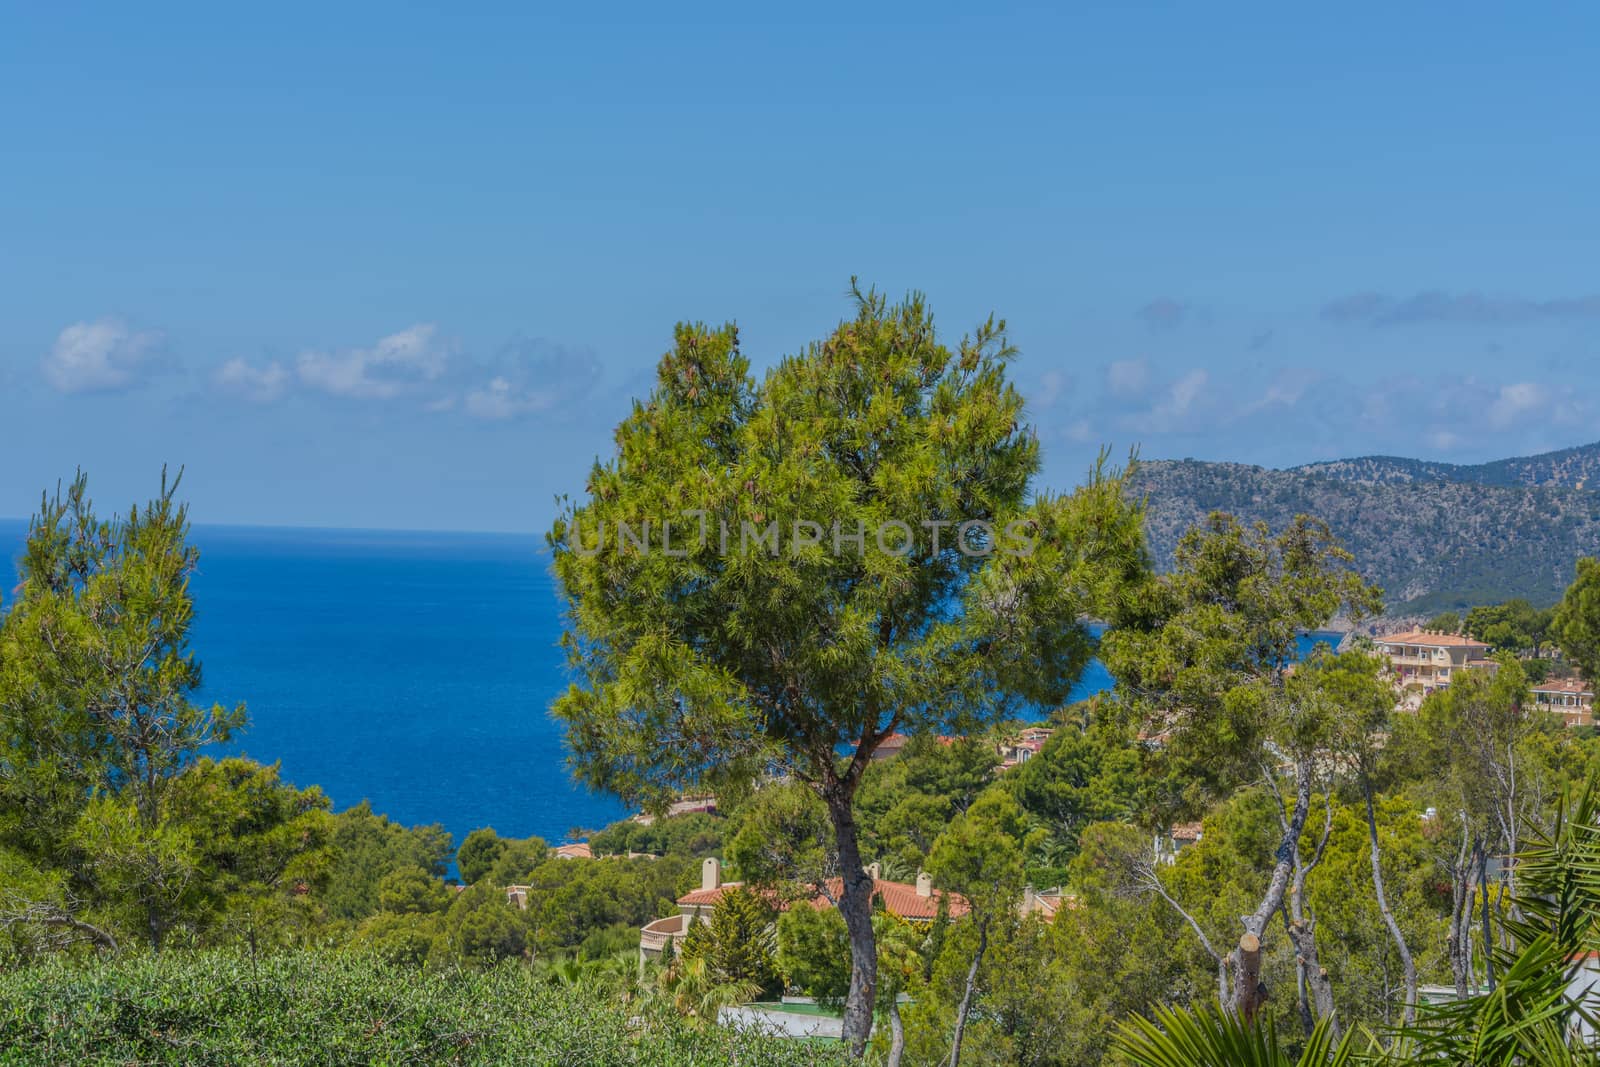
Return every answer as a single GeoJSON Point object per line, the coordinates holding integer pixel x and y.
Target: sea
{"type": "Point", "coordinates": [411, 670]}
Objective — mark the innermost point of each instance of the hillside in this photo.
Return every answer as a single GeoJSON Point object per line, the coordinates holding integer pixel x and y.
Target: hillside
{"type": "Point", "coordinates": [1433, 535]}
{"type": "Point", "coordinates": [1571, 468]}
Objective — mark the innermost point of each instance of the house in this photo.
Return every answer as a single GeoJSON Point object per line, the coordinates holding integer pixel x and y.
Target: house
{"type": "Point", "coordinates": [703, 804]}
{"type": "Point", "coordinates": [1425, 660]}
{"type": "Point", "coordinates": [1023, 747]}
{"type": "Point", "coordinates": [1046, 903]}
{"type": "Point", "coordinates": [896, 743]}
{"type": "Point", "coordinates": [579, 851]}
{"type": "Point", "coordinates": [1155, 740]}
{"type": "Point", "coordinates": [891, 746]}
{"type": "Point", "coordinates": [1571, 698]}
{"type": "Point", "coordinates": [1016, 753]}
{"type": "Point", "coordinates": [914, 903]}
{"type": "Point", "coordinates": [1179, 837]}
{"type": "Point", "coordinates": [1583, 987]}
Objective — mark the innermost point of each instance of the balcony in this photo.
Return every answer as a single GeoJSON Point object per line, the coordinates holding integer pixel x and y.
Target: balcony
{"type": "Point", "coordinates": [656, 936]}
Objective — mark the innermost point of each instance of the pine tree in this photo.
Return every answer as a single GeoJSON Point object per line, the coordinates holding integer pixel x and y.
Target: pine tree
{"type": "Point", "coordinates": [766, 576]}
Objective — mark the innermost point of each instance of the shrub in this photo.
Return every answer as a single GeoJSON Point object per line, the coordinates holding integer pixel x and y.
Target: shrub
{"type": "Point", "coordinates": [340, 1008]}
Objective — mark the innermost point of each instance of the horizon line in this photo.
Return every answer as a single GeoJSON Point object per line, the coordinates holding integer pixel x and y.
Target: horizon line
{"type": "Point", "coordinates": [289, 527]}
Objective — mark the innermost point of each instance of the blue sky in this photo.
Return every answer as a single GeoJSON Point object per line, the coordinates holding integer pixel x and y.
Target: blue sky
{"type": "Point", "coordinates": [370, 266]}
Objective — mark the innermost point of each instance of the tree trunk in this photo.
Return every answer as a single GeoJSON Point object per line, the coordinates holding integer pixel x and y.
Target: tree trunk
{"type": "Point", "coordinates": [1248, 995]}
{"type": "Point", "coordinates": [1312, 982]}
{"type": "Point", "coordinates": [1406, 962]}
{"type": "Point", "coordinates": [897, 1035]}
{"type": "Point", "coordinates": [155, 925]}
{"type": "Point", "coordinates": [1461, 918]}
{"type": "Point", "coordinates": [1488, 930]}
{"type": "Point", "coordinates": [1248, 991]}
{"type": "Point", "coordinates": [1302, 986]}
{"type": "Point", "coordinates": [966, 994]}
{"type": "Point", "coordinates": [21, 912]}
{"type": "Point", "coordinates": [1303, 933]}
{"type": "Point", "coordinates": [855, 903]}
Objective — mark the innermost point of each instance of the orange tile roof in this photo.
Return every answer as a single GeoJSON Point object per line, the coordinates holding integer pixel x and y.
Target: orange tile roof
{"type": "Point", "coordinates": [1049, 904]}
{"type": "Point", "coordinates": [903, 900]}
{"type": "Point", "coordinates": [1422, 637]}
{"type": "Point", "coordinates": [1186, 831]}
{"type": "Point", "coordinates": [898, 898]}
{"type": "Point", "coordinates": [1564, 685]}
{"type": "Point", "coordinates": [708, 896]}
{"type": "Point", "coordinates": [580, 851]}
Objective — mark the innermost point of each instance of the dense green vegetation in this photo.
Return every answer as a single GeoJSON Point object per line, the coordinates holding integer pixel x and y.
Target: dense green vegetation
{"type": "Point", "coordinates": [1444, 538]}
{"type": "Point", "coordinates": [1531, 1015]}
{"type": "Point", "coordinates": [287, 929]}
{"type": "Point", "coordinates": [161, 905]}
{"type": "Point", "coordinates": [225, 1008]}
{"type": "Point", "coordinates": [1576, 620]}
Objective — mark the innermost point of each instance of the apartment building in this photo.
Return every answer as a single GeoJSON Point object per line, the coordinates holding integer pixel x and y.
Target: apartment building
{"type": "Point", "coordinates": [1424, 660]}
{"type": "Point", "coordinates": [1571, 698]}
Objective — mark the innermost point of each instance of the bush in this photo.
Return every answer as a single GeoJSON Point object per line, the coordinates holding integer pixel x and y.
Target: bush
{"type": "Point", "coordinates": [696, 835]}
{"type": "Point", "coordinates": [341, 1008]}
{"type": "Point", "coordinates": [483, 928]}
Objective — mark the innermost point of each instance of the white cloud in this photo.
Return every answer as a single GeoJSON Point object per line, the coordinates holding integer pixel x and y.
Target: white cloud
{"type": "Point", "coordinates": [499, 399]}
{"type": "Point", "coordinates": [258, 384]}
{"type": "Point", "coordinates": [395, 365]}
{"type": "Point", "coordinates": [1512, 402]}
{"type": "Point", "coordinates": [102, 356]}
{"type": "Point", "coordinates": [1444, 440]}
{"type": "Point", "coordinates": [1183, 394]}
{"type": "Point", "coordinates": [1286, 390]}
{"type": "Point", "coordinates": [529, 376]}
{"type": "Point", "coordinates": [1127, 377]}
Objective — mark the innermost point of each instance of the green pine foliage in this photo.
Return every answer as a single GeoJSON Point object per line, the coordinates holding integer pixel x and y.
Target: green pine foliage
{"type": "Point", "coordinates": [479, 851]}
{"type": "Point", "coordinates": [1576, 622]}
{"type": "Point", "coordinates": [368, 847]}
{"type": "Point", "coordinates": [738, 944]}
{"type": "Point", "coordinates": [713, 661]}
{"type": "Point", "coordinates": [695, 835]}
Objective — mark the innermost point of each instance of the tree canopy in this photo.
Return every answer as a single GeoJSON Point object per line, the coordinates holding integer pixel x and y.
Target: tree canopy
{"type": "Point", "coordinates": [1576, 623]}
{"type": "Point", "coordinates": [777, 574]}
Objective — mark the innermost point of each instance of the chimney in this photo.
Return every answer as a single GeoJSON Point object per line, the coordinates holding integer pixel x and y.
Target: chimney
{"type": "Point", "coordinates": [874, 871]}
{"type": "Point", "coordinates": [924, 884]}
{"type": "Point", "coordinates": [711, 873]}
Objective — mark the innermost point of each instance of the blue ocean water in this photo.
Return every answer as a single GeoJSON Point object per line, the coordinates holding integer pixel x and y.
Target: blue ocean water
{"type": "Point", "coordinates": [413, 670]}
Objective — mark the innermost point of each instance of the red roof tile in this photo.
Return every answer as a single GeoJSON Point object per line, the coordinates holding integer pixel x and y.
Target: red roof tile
{"type": "Point", "coordinates": [898, 898]}
{"type": "Point", "coordinates": [1564, 685]}
{"type": "Point", "coordinates": [1423, 638]}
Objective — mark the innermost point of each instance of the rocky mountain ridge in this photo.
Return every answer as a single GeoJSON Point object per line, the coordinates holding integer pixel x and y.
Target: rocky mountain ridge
{"type": "Point", "coordinates": [1433, 535]}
